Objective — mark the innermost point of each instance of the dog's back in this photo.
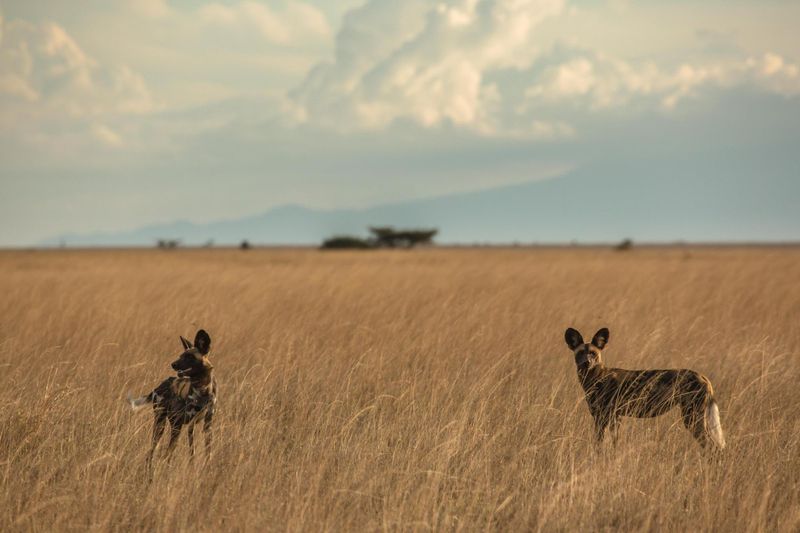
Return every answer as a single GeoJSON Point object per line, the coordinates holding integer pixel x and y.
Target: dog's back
{"type": "Point", "coordinates": [646, 393]}
{"type": "Point", "coordinates": [176, 396]}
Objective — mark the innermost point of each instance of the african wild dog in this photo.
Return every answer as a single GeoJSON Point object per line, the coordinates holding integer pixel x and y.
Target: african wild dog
{"type": "Point", "coordinates": [614, 392]}
{"type": "Point", "coordinates": [183, 400]}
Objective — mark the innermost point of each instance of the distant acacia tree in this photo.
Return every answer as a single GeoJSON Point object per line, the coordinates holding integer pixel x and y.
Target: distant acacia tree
{"type": "Point", "coordinates": [382, 237]}
{"type": "Point", "coordinates": [388, 237]}
{"type": "Point", "coordinates": [346, 241]}
{"type": "Point", "coordinates": [245, 245]}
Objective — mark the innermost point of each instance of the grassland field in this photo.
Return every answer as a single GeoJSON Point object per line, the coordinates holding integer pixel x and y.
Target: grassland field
{"type": "Point", "coordinates": [396, 390]}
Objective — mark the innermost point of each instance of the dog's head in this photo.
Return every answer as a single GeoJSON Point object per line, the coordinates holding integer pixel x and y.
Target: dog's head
{"type": "Point", "coordinates": [587, 355]}
{"type": "Point", "coordinates": [193, 362]}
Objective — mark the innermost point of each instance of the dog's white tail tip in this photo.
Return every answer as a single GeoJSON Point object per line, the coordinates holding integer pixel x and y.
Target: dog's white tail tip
{"type": "Point", "coordinates": [713, 425]}
{"type": "Point", "coordinates": [137, 403]}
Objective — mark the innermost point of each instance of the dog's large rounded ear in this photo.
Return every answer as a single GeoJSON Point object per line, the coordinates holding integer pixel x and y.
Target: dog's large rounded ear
{"type": "Point", "coordinates": [186, 344]}
{"type": "Point", "coordinates": [573, 338]}
{"type": "Point", "coordinates": [202, 342]}
{"type": "Point", "coordinates": [600, 338]}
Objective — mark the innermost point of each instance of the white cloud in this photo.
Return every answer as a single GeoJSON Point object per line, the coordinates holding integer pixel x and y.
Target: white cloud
{"type": "Point", "coordinates": [425, 62]}
{"type": "Point", "coordinates": [293, 24]}
{"type": "Point", "coordinates": [106, 135]}
{"type": "Point", "coordinates": [596, 81]}
{"type": "Point", "coordinates": [45, 72]}
{"type": "Point", "coordinates": [151, 8]}
{"type": "Point", "coordinates": [776, 73]}
{"type": "Point", "coordinates": [16, 65]}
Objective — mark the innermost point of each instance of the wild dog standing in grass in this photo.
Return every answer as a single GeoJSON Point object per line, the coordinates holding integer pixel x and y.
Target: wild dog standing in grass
{"type": "Point", "coordinates": [185, 399]}
{"type": "Point", "coordinates": [614, 392]}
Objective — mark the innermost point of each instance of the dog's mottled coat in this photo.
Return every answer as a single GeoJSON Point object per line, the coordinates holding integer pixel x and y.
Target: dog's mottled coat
{"type": "Point", "coordinates": [614, 392]}
{"type": "Point", "coordinates": [186, 399]}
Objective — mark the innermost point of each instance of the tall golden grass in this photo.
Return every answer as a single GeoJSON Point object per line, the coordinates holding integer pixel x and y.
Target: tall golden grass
{"type": "Point", "coordinates": [421, 390]}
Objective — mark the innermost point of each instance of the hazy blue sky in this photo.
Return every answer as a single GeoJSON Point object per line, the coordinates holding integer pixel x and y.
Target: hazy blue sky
{"type": "Point", "coordinates": [115, 115]}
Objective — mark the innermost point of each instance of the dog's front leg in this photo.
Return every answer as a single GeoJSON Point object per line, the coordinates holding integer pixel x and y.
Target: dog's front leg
{"type": "Point", "coordinates": [190, 435]}
{"type": "Point", "coordinates": [207, 431]}
{"type": "Point", "coordinates": [601, 421]}
{"type": "Point", "coordinates": [175, 432]}
{"type": "Point", "coordinates": [613, 427]}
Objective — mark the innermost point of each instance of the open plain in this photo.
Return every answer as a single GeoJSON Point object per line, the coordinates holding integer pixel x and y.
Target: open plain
{"type": "Point", "coordinates": [396, 390]}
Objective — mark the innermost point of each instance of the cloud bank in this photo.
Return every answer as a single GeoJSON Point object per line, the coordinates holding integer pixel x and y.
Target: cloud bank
{"type": "Point", "coordinates": [482, 66]}
{"type": "Point", "coordinates": [491, 68]}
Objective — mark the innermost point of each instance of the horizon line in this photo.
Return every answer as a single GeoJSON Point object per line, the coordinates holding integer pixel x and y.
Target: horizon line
{"type": "Point", "coordinates": [678, 243]}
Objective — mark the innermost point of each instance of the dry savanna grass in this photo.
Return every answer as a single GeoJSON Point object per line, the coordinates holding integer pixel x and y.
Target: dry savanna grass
{"type": "Point", "coordinates": [401, 391]}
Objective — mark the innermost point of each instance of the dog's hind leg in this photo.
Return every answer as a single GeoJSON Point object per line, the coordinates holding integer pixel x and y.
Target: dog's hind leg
{"type": "Point", "coordinates": [158, 430]}
{"type": "Point", "coordinates": [692, 415]}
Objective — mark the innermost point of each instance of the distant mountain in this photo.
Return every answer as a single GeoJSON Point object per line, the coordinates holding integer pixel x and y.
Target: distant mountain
{"type": "Point", "coordinates": [601, 204]}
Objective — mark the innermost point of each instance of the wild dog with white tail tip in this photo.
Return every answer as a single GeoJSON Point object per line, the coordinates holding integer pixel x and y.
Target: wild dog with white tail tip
{"type": "Point", "coordinates": [185, 399]}
{"type": "Point", "coordinates": [614, 392]}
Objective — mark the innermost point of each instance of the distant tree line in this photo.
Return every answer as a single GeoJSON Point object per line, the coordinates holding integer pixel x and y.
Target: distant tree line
{"type": "Point", "coordinates": [171, 244]}
{"type": "Point", "coordinates": [381, 237]}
